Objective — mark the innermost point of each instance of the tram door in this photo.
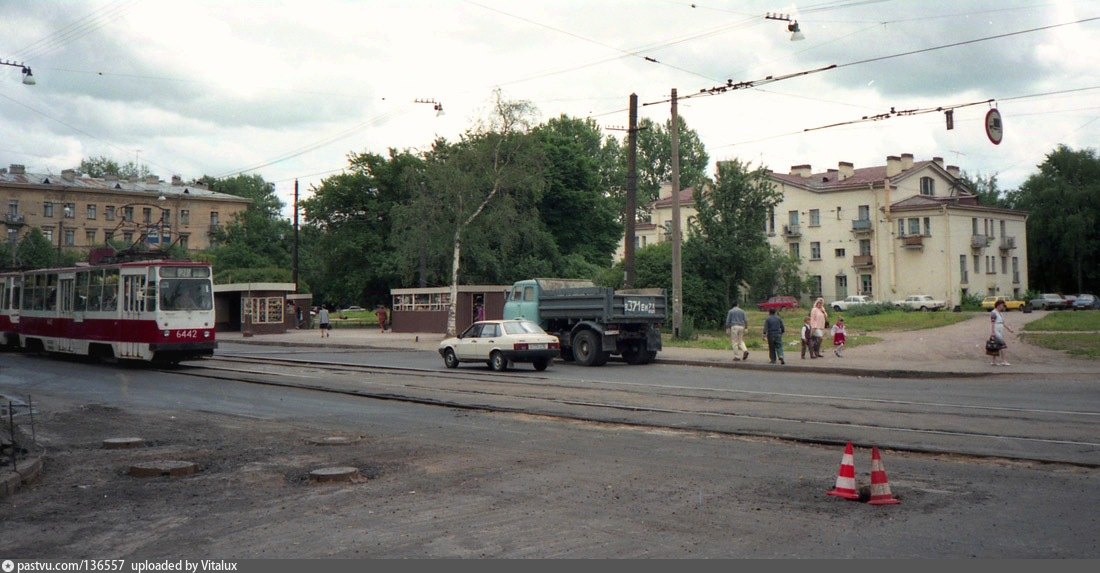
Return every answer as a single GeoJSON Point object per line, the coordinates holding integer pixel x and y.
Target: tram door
{"type": "Point", "coordinates": [133, 304]}
{"type": "Point", "coordinates": [64, 314]}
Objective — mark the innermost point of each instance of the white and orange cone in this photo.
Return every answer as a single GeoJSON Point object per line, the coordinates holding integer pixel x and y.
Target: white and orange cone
{"type": "Point", "coordinates": [846, 476]}
{"type": "Point", "coordinates": [880, 485]}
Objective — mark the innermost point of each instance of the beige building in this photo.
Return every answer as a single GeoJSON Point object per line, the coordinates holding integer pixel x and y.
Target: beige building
{"type": "Point", "coordinates": [897, 229]}
{"type": "Point", "coordinates": [659, 227]}
{"type": "Point", "coordinates": [76, 212]}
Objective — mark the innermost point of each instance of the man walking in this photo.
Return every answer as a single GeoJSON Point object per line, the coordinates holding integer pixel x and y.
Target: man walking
{"type": "Point", "coordinates": [773, 333]}
{"type": "Point", "coordinates": [736, 323]}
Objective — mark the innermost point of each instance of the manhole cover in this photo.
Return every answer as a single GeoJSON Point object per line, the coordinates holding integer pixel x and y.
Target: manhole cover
{"type": "Point", "coordinates": [163, 468]}
{"type": "Point", "coordinates": [334, 440]}
{"type": "Point", "coordinates": [336, 474]}
{"type": "Point", "coordinates": [122, 443]}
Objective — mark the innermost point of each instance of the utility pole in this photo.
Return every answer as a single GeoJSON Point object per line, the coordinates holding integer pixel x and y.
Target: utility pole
{"type": "Point", "coordinates": [631, 193]}
{"type": "Point", "coordinates": [677, 302]}
{"type": "Point", "coordinates": [294, 268]}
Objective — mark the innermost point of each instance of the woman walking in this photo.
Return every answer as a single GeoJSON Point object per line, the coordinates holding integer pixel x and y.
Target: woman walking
{"type": "Point", "coordinates": [997, 330]}
{"type": "Point", "coordinates": [818, 317]}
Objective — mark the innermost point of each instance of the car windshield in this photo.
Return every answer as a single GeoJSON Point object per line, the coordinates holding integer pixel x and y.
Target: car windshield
{"type": "Point", "coordinates": [522, 327]}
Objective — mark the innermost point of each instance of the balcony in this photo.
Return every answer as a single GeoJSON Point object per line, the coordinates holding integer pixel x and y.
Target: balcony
{"type": "Point", "coordinates": [1008, 243]}
{"type": "Point", "coordinates": [863, 261]}
{"type": "Point", "coordinates": [14, 220]}
{"type": "Point", "coordinates": [980, 241]}
{"type": "Point", "coordinates": [861, 226]}
{"type": "Point", "coordinates": [792, 231]}
{"type": "Point", "coordinates": [913, 241]}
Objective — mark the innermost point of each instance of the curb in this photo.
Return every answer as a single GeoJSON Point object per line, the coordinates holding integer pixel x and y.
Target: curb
{"type": "Point", "coordinates": [27, 473]}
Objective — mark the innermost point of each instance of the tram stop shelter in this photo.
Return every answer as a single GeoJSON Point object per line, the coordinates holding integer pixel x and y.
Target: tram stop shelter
{"type": "Point", "coordinates": [256, 308]}
{"type": "Point", "coordinates": [425, 309]}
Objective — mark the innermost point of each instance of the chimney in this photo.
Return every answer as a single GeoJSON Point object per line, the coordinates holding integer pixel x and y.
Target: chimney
{"type": "Point", "coordinates": [846, 169]}
{"type": "Point", "coordinates": [665, 192]}
{"type": "Point", "coordinates": [803, 171]}
{"type": "Point", "coordinates": [177, 180]}
{"type": "Point", "coordinates": [906, 161]}
{"type": "Point", "coordinates": [152, 179]}
{"type": "Point", "coordinates": [893, 165]}
{"type": "Point", "coordinates": [68, 174]}
{"type": "Point", "coordinates": [953, 170]}
{"type": "Point", "coordinates": [17, 169]}
{"type": "Point", "coordinates": [938, 161]}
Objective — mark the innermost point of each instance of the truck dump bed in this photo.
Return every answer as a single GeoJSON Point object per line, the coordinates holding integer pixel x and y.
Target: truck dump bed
{"type": "Point", "coordinates": [603, 304]}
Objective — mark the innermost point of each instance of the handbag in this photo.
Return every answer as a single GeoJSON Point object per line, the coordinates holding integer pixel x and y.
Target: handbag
{"type": "Point", "coordinates": [993, 345]}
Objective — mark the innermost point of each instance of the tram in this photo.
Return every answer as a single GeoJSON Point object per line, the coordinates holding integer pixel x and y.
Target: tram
{"type": "Point", "coordinates": [154, 310]}
{"type": "Point", "coordinates": [9, 308]}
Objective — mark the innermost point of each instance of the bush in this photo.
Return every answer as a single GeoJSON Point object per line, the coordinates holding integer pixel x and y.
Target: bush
{"type": "Point", "coordinates": [868, 309]}
{"type": "Point", "coordinates": [970, 301]}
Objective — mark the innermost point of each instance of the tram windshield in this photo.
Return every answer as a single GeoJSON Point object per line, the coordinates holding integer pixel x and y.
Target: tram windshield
{"type": "Point", "coordinates": [190, 293]}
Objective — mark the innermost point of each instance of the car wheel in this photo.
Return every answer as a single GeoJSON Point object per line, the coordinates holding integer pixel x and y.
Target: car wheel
{"type": "Point", "coordinates": [837, 308]}
{"type": "Point", "coordinates": [449, 358]}
{"type": "Point", "coordinates": [497, 361]}
{"type": "Point", "coordinates": [586, 348]}
{"type": "Point", "coordinates": [541, 363]}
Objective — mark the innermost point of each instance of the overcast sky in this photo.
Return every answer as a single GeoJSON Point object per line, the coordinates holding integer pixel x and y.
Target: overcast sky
{"type": "Point", "coordinates": [288, 89]}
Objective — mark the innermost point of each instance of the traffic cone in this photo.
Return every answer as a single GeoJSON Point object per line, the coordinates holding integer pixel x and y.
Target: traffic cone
{"type": "Point", "coordinates": [846, 476]}
{"type": "Point", "coordinates": [880, 485]}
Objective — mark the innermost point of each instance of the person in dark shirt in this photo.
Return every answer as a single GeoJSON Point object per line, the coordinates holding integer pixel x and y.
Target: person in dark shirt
{"type": "Point", "coordinates": [773, 333]}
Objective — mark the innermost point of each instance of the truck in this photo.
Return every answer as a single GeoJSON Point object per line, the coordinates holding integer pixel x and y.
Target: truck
{"type": "Point", "coordinates": [592, 323]}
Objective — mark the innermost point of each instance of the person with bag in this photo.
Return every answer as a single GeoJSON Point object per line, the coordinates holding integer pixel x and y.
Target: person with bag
{"type": "Point", "coordinates": [997, 328]}
{"type": "Point", "coordinates": [818, 323]}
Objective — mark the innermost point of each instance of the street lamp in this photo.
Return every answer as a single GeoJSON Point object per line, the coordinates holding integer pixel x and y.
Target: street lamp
{"type": "Point", "coordinates": [28, 77]}
{"type": "Point", "coordinates": [438, 107]}
{"type": "Point", "coordinates": [792, 25]}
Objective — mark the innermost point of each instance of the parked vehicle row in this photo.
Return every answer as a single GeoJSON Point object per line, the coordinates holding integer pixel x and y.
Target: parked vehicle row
{"type": "Point", "coordinates": [778, 303]}
{"type": "Point", "coordinates": [1050, 301]}
{"type": "Point", "coordinates": [854, 300]}
{"type": "Point", "coordinates": [920, 302]}
{"type": "Point", "coordinates": [1010, 304]}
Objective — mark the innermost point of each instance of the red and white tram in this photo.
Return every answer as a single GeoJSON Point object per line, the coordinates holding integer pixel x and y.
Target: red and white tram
{"type": "Point", "coordinates": [9, 308]}
{"type": "Point", "coordinates": [156, 311]}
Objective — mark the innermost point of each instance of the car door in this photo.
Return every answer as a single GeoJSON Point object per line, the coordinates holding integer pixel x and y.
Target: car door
{"type": "Point", "coordinates": [490, 335]}
{"type": "Point", "coordinates": [466, 346]}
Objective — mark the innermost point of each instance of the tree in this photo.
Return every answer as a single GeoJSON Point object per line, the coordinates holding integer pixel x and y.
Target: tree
{"type": "Point", "coordinates": [100, 165]}
{"type": "Point", "coordinates": [258, 236]}
{"type": "Point", "coordinates": [1063, 226]}
{"type": "Point", "coordinates": [731, 215]}
{"type": "Point", "coordinates": [35, 251]}
{"type": "Point", "coordinates": [986, 190]}
{"type": "Point", "coordinates": [655, 158]}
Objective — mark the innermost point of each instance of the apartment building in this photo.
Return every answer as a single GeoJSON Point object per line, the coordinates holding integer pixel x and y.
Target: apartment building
{"type": "Point", "coordinates": [889, 231]}
{"type": "Point", "coordinates": [78, 212]}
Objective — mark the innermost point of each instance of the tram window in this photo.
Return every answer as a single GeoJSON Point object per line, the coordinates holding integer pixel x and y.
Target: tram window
{"type": "Point", "coordinates": [80, 302]}
{"type": "Point", "coordinates": [110, 289]}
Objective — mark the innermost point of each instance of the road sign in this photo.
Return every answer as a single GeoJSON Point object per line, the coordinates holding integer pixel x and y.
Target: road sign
{"type": "Point", "coordinates": [993, 126]}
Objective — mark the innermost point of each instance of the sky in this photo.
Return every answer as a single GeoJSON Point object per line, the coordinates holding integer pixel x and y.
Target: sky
{"type": "Point", "coordinates": [288, 89]}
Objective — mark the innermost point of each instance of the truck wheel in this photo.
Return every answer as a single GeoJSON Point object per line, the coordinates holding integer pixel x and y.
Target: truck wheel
{"type": "Point", "coordinates": [449, 358]}
{"type": "Point", "coordinates": [586, 349]}
{"type": "Point", "coordinates": [498, 362]}
{"type": "Point", "coordinates": [634, 353]}
{"type": "Point", "coordinates": [541, 363]}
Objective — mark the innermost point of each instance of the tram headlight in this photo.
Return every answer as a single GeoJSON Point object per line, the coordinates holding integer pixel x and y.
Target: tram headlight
{"type": "Point", "coordinates": [165, 333]}
{"type": "Point", "coordinates": [206, 334]}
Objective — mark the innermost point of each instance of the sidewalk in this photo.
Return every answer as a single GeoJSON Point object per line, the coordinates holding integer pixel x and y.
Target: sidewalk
{"type": "Point", "coordinates": [955, 350]}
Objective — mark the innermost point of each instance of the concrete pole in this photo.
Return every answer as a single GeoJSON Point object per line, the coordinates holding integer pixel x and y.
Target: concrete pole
{"type": "Point", "coordinates": [677, 295]}
{"type": "Point", "coordinates": [631, 193]}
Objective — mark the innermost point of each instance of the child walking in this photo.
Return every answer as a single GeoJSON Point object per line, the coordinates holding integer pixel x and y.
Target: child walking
{"type": "Point", "coordinates": [838, 337]}
{"type": "Point", "coordinates": [805, 336]}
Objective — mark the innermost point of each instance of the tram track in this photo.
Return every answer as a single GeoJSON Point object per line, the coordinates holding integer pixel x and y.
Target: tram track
{"type": "Point", "coordinates": [980, 431]}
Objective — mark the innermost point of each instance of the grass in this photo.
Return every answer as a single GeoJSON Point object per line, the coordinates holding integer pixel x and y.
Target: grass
{"type": "Point", "coordinates": [1061, 320]}
{"type": "Point", "coordinates": [1071, 332]}
{"type": "Point", "coordinates": [1085, 344]}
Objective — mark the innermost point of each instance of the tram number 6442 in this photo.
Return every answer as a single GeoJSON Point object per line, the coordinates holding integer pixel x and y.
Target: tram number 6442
{"type": "Point", "coordinates": [192, 333]}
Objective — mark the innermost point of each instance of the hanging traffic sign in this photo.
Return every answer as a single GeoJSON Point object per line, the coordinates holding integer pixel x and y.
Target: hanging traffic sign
{"type": "Point", "coordinates": [994, 129]}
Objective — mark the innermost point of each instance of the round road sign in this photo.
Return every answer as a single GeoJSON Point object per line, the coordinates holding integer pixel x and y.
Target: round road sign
{"type": "Point", "coordinates": [993, 126]}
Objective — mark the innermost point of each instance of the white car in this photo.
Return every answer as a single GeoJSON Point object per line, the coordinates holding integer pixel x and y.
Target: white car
{"type": "Point", "coordinates": [920, 302]}
{"type": "Point", "coordinates": [854, 300]}
{"type": "Point", "coordinates": [499, 343]}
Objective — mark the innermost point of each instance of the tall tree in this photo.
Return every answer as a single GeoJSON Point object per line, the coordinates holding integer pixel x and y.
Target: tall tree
{"type": "Point", "coordinates": [986, 189]}
{"type": "Point", "coordinates": [655, 158]}
{"type": "Point", "coordinates": [728, 225]}
{"type": "Point", "coordinates": [259, 237]}
{"type": "Point", "coordinates": [1063, 225]}
{"type": "Point", "coordinates": [100, 165]}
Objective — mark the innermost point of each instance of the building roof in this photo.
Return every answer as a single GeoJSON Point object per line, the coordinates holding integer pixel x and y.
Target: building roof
{"type": "Point", "coordinates": [831, 180]}
{"type": "Point", "coordinates": [152, 185]}
{"type": "Point", "coordinates": [687, 197]}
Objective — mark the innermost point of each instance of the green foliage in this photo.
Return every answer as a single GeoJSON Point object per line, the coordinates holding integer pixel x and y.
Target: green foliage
{"type": "Point", "coordinates": [253, 275]}
{"type": "Point", "coordinates": [1063, 201]}
{"type": "Point", "coordinates": [35, 251]}
{"type": "Point", "coordinates": [655, 158]}
{"type": "Point", "coordinates": [986, 190]}
{"type": "Point", "coordinates": [100, 165]}
{"type": "Point", "coordinates": [1066, 321]}
{"type": "Point", "coordinates": [869, 309]}
{"type": "Point", "coordinates": [970, 301]}
{"type": "Point", "coordinates": [258, 238]}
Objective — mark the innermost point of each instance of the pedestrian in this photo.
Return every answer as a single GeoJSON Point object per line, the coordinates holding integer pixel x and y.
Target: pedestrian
{"type": "Point", "coordinates": [818, 318]}
{"type": "Point", "coordinates": [380, 314]}
{"type": "Point", "coordinates": [322, 318]}
{"type": "Point", "coordinates": [839, 337]}
{"type": "Point", "coordinates": [805, 336]}
{"type": "Point", "coordinates": [773, 334]}
{"type": "Point", "coordinates": [480, 312]}
{"type": "Point", "coordinates": [997, 331]}
{"type": "Point", "coordinates": [736, 323]}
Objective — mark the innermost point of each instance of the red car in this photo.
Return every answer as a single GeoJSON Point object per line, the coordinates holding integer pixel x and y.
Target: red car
{"type": "Point", "coordinates": [778, 303]}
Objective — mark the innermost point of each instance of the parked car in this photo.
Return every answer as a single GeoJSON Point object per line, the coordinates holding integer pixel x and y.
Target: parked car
{"type": "Point", "coordinates": [1086, 302]}
{"type": "Point", "coordinates": [1010, 303]}
{"type": "Point", "coordinates": [1049, 301]}
{"type": "Point", "coordinates": [499, 343]}
{"type": "Point", "coordinates": [854, 300]}
{"type": "Point", "coordinates": [778, 303]}
{"type": "Point", "coordinates": [353, 307]}
{"type": "Point", "coordinates": [920, 302]}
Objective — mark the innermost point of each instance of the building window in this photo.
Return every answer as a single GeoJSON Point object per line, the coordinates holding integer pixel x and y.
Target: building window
{"type": "Point", "coordinates": [901, 227]}
{"type": "Point", "coordinates": [13, 209]}
{"type": "Point", "coordinates": [927, 227]}
{"type": "Point", "coordinates": [864, 212]}
{"type": "Point", "coordinates": [815, 286]}
{"type": "Point", "coordinates": [127, 213]}
{"type": "Point", "coordinates": [183, 241]}
{"type": "Point", "coordinates": [977, 268]}
{"type": "Point", "coordinates": [769, 226]}
{"type": "Point", "coordinates": [108, 236]}
{"type": "Point", "coordinates": [865, 285]}
{"type": "Point", "coordinates": [841, 286]}
{"type": "Point", "coordinates": [793, 249]}
{"type": "Point", "coordinates": [815, 218]}
{"type": "Point", "coordinates": [974, 226]}
{"type": "Point", "coordinates": [914, 226]}
{"type": "Point", "coordinates": [1015, 269]}
{"type": "Point", "coordinates": [47, 209]}
{"type": "Point", "coordinates": [865, 247]}
{"type": "Point", "coordinates": [262, 310]}
{"type": "Point", "coordinates": [69, 211]}
{"type": "Point", "coordinates": [792, 218]}
{"type": "Point", "coordinates": [89, 236]}
{"type": "Point", "coordinates": [146, 215]}
{"type": "Point", "coordinates": [89, 212]}
{"type": "Point", "coordinates": [48, 233]}
{"type": "Point", "coordinates": [128, 238]}
{"type": "Point", "coordinates": [1004, 265]}
{"type": "Point", "coordinates": [70, 237]}
{"type": "Point", "coordinates": [962, 269]}
{"type": "Point", "coordinates": [185, 217]}
{"type": "Point", "coordinates": [213, 218]}
{"type": "Point", "coordinates": [839, 253]}
{"type": "Point", "coordinates": [927, 186]}
{"type": "Point", "coordinates": [815, 251]}
{"type": "Point", "coordinates": [109, 212]}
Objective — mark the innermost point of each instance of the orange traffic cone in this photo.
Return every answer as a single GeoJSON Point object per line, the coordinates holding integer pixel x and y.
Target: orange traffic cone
{"type": "Point", "coordinates": [880, 485]}
{"type": "Point", "coordinates": [846, 476]}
